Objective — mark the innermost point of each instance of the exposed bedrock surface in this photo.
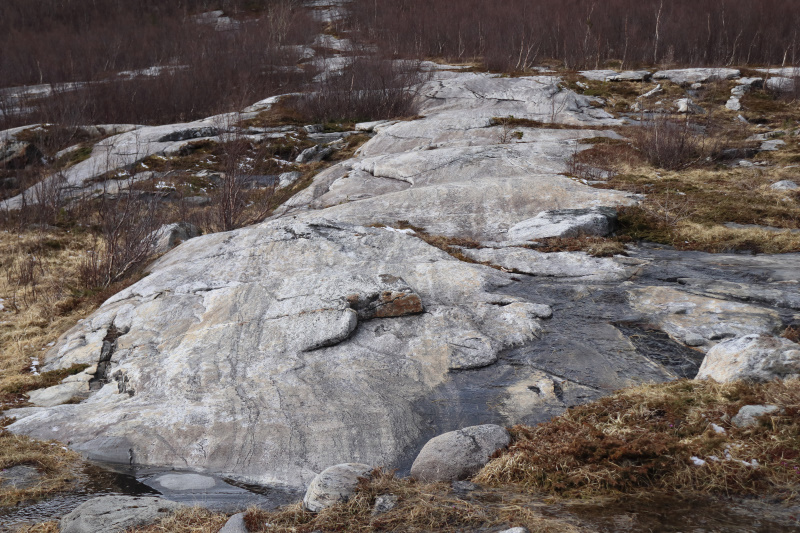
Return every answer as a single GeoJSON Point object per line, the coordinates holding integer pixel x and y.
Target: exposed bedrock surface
{"type": "Point", "coordinates": [273, 352]}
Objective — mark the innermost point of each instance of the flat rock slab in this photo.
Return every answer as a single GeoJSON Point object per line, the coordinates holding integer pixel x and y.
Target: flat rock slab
{"type": "Point", "coordinates": [689, 76]}
{"type": "Point", "coordinates": [567, 265]}
{"type": "Point", "coordinates": [115, 514]}
{"type": "Point", "coordinates": [700, 321]}
{"type": "Point", "coordinates": [749, 414]}
{"type": "Point", "coordinates": [20, 477]}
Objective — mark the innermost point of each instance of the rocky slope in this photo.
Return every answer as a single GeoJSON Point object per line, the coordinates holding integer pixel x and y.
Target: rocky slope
{"type": "Point", "coordinates": [327, 335]}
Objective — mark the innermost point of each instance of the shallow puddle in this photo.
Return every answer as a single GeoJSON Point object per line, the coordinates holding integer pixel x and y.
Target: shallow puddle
{"type": "Point", "coordinates": [185, 487]}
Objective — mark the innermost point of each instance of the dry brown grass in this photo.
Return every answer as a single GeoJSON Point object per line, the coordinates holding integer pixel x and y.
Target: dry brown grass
{"type": "Point", "coordinates": [191, 520]}
{"type": "Point", "coordinates": [60, 468]}
{"type": "Point", "coordinates": [421, 508]}
{"type": "Point", "coordinates": [644, 437]}
{"type": "Point", "coordinates": [594, 246]}
{"type": "Point", "coordinates": [44, 527]}
{"type": "Point", "coordinates": [687, 208]}
{"type": "Point", "coordinates": [41, 302]}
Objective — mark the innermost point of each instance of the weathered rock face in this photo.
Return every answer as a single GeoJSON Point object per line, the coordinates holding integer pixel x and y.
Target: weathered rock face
{"type": "Point", "coordinates": [231, 352]}
{"type": "Point", "coordinates": [459, 454]}
{"type": "Point", "coordinates": [451, 172]}
{"type": "Point", "coordinates": [116, 513]}
{"type": "Point", "coordinates": [752, 358]}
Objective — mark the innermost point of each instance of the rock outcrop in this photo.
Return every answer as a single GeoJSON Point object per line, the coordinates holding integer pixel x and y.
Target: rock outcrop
{"type": "Point", "coordinates": [329, 335]}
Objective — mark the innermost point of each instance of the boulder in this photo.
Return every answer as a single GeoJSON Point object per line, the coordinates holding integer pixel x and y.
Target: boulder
{"type": "Point", "coordinates": [115, 514]}
{"type": "Point", "coordinates": [314, 154]}
{"type": "Point", "coordinates": [687, 106]}
{"type": "Point", "coordinates": [688, 76]}
{"type": "Point", "coordinates": [235, 524]}
{"type": "Point", "coordinates": [459, 454]}
{"type": "Point", "coordinates": [334, 485]}
{"type": "Point", "coordinates": [288, 178]}
{"type": "Point", "coordinates": [748, 415]}
{"type": "Point", "coordinates": [631, 75]}
{"type": "Point", "coordinates": [734, 103]}
{"type": "Point", "coordinates": [384, 503]}
{"type": "Point", "coordinates": [18, 154]}
{"type": "Point", "coordinates": [784, 185]}
{"type": "Point", "coordinates": [595, 222]}
{"type": "Point", "coordinates": [780, 84]}
{"type": "Point", "coordinates": [773, 145]}
{"type": "Point", "coordinates": [753, 358]}
{"type": "Point", "coordinates": [516, 530]}
{"type": "Point", "coordinates": [685, 316]}
{"type": "Point", "coordinates": [171, 235]}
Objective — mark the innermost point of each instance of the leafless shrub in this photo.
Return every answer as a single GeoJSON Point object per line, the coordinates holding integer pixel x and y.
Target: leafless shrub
{"type": "Point", "coordinates": [584, 33]}
{"type": "Point", "coordinates": [671, 144]}
{"type": "Point", "coordinates": [203, 71]}
{"type": "Point", "coordinates": [126, 235]}
{"type": "Point", "coordinates": [366, 89]}
{"type": "Point", "coordinates": [235, 202]}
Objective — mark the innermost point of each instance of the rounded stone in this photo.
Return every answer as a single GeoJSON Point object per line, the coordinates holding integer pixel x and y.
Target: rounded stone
{"type": "Point", "coordinates": [333, 485]}
{"type": "Point", "coordinates": [459, 454]}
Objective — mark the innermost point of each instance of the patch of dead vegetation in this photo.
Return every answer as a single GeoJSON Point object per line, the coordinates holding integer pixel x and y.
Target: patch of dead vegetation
{"type": "Point", "coordinates": [688, 192]}
{"type": "Point", "coordinates": [448, 244]}
{"type": "Point", "coordinates": [421, 508]}
{"type": "Point", "coordinates": [59, 467]}
{"type": "Point", "coordinates": [594, 246]}
{"type": "Point", "coordinates": [644, 438]}
{"type": "Point", "coordinates": [190, 520]}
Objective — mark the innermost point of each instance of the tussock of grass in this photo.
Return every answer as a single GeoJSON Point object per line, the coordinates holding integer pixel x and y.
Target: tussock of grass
{"type": "Point", "coordinates": [594, 246]}
{"type": "Point", "coordinates": [44, 527]}
{"type": "Point", "coordinates": [191, 520]}
{"type": "Point", "coordinates": [421, 508]}
{"type": "Point", "coordinates": [687, 208]}
{"type": "Point", "coordinates": [59, 467]}
{"type": "Point", "coordinates": [644, 437]}
{"type": "Point", "coordinates": [451, 245]}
